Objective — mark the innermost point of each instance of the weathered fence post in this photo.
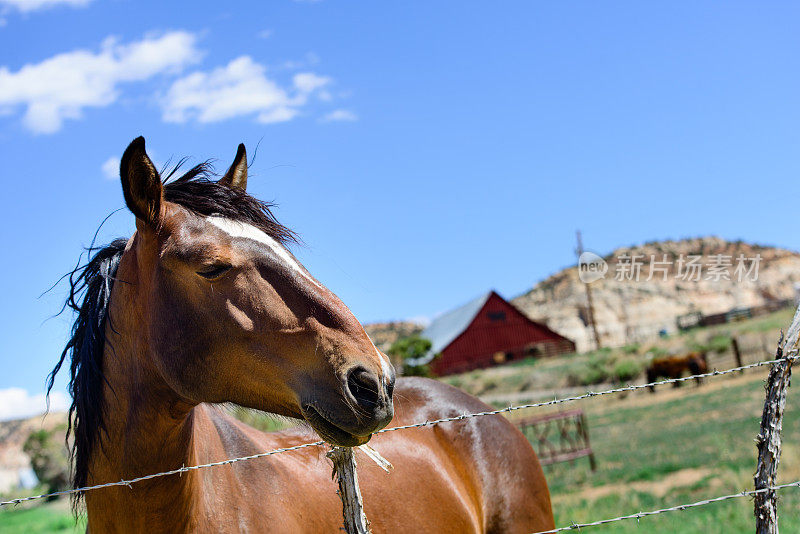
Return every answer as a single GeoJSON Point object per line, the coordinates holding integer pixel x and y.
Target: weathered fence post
{"type": "Point", "coordinates": [769, 437]}
{"type": "Point", "coordinates": [344, 470]}
{"type": "Point", "coordinates": [736, 352]}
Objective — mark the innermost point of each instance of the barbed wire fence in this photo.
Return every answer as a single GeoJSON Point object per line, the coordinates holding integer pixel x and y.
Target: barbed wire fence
{"type": "Point", "coordinates": [768, 459]}
{"type": "Point", "coordinates": [422, 424]}
{"type": "Point", "coordinates": [677, 508]}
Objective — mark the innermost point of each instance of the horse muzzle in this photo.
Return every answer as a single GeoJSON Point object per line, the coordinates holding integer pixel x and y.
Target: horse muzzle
{"type": "Point", "coordinates": [365, 407]}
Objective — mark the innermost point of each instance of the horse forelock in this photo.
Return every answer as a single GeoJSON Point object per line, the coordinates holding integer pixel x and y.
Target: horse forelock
{"type": "Point", "coordinates": [198, 193]}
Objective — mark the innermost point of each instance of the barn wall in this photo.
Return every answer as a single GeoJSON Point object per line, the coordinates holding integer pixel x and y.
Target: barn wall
{"type": "Point", "coordinates": [485, 339]}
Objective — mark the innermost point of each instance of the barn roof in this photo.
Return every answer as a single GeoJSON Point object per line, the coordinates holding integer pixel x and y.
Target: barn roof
{"type": "Point", "coordinates": [448, 326]}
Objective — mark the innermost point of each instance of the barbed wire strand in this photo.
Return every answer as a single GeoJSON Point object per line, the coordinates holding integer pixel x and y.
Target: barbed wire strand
{"type": "Point", "coordinates": [184, 469]}
{"type": "Point", "coordinates": [434, 422]}
{"type": "Point", "coordinates": [680, 507]}
{"type": "Point", "coordinates": [589, 395]}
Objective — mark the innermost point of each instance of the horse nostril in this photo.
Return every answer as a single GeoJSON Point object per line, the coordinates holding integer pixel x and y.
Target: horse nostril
{"type": "Point", "coordinates": [364, 388]}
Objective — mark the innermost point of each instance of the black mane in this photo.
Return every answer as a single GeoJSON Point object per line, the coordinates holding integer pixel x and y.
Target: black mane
{"type": "Point", "coordinates": [90, 286]}
{"type": "Point", "coordinates": [196, 192]}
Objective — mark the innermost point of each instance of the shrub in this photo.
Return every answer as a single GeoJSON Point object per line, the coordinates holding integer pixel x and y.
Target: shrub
{"type": "Point", "coordinates": [592, 375]}
{"type": "Point", "coordinates": [488, 385]}
{"type": "Point", "coordinates": [626, 370]}
{"type": "Point", "coordinates": [593, 371]}
{"type": "Point", "coordinates": [656, 351]}
{"type": "Point", "coordinates": [49, 459]}
{"type": "Point", "coordinates": [456, 382]}
{"type": "Point", "coordinates": [412, 347]}
{"type": "Point", "coordinates": [631, 349]}
{"type": "Point", "coordinates": [719, 343]}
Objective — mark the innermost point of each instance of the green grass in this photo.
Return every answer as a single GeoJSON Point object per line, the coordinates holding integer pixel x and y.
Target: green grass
{"type": "Point", "coordinates": [44, 518]}
{"type": "Point", "coordinates": [730, 516]}
{"type": "Point", "coordinates": [643, 445]}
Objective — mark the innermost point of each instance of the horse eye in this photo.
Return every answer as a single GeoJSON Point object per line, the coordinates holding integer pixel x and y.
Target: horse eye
{"type": "Point", "coordinates": [215, 271]}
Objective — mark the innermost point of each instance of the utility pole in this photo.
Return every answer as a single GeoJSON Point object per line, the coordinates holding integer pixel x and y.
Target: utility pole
{"type": "Point", "coordinates": [590, 308]}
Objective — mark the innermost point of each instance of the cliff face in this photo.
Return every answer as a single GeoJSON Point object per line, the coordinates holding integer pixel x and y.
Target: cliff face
{"type": "Point", "coordinates": [385, 334]}
{"type": "Point", "coordinates": [628, 310]}
{"type": "Point", "coordinates": [14, 463]}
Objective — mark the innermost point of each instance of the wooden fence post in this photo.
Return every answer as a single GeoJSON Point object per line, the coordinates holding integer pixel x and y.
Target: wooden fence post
{"type": "Point", "coordinates": [736, 352]}
{"type": "Point", "coordinates": [344, 470]}
{"type": "Point", "coordinates": [769, 437]}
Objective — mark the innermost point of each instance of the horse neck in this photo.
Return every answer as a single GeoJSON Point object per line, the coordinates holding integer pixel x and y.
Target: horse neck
{"type": "Point", "coordinates": [148, 429]}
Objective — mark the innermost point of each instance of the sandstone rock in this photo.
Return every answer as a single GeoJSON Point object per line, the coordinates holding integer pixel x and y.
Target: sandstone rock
{"type": "Point", "coordinates": [630, 311]}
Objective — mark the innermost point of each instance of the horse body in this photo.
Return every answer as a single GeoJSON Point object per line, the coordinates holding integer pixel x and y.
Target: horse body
{"type": "Point", "coordinates": [204, 304]}
{"type": "Point", "coordinates": [476, 475]}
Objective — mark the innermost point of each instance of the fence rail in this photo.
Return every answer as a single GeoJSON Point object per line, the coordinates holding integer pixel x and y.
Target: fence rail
{"type": "Point", "coordinates": [422, 424]}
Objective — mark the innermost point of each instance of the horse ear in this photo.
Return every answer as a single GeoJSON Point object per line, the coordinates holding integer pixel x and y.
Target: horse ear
{"type": "Point", "coordinates": [237, 173]}
{"type": "Point", "coordinates": [141, 184]}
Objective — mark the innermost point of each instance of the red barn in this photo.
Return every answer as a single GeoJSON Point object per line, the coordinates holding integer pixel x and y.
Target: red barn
{"type": "Point", "coordinates": [484, 332]}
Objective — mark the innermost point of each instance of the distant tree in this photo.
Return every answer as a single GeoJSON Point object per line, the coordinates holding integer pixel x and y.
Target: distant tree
{"type": "Point", "coordinates": [49, 459]}
{"type": "Point", "coordinates": [408, 348]}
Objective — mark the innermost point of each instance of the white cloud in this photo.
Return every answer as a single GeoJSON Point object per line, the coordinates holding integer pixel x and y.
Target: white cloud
{"type": "Point", "coordinates": [62, 86]}
{"type": "Point", "coordinates": [309, 60]}
{"type": "Point", "coordinates": [240, 88]}
{"type": "Point", "coordinates": [308, 82]}
{"type": "Point", "coordinates": [110, 168]}
{"type": "Point", "coordinates": [340, 115]}
{"type": "Point", "coordinates": [265, 34]}
{"type": "Point", "coordinates": [26, 6]}
{"type": "Point", "coordinates": [16, 403]}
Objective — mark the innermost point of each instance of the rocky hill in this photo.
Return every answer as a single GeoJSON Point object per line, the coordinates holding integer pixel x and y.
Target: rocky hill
{"type": "Point", "coordinates": [647, 287]}
{"type": "Point", "coordinates": [385, 334]}
{"type": "Point", "coordinates": [14, 463]}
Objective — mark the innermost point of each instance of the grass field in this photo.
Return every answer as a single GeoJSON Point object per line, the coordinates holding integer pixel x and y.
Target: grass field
{"type": "Point", "coordinates": [674, 447]}
{"type": "Point", "coordinates": [54, 517]}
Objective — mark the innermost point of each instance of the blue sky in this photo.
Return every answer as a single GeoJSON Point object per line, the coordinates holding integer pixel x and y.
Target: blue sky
{"type": "Point", "coordinates": [425, 151]}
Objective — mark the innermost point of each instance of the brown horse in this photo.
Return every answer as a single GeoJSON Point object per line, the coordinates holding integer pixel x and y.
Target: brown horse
{"type": "Point", "coordinates": [674, 366]}
{"type": "Point", "coordinates": [204, 304]}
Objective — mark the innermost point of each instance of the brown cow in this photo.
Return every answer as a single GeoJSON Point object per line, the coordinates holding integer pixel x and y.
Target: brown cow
{"type": "Point", "coordinates": [674, 366]}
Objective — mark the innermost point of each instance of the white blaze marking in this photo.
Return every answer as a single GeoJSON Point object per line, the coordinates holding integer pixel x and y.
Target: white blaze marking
{"type": "Point", "coordinates": [385, 367]}
{"type": "Point", "coordinates": [248, 231]}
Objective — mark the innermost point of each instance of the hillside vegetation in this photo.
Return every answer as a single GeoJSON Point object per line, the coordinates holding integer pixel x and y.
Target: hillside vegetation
{"type": "Point", "coordinates": [535, 379]}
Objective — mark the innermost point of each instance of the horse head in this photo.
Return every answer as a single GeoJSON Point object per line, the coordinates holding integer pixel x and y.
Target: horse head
{"type": "Point", "coordinates": [226, 313]}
